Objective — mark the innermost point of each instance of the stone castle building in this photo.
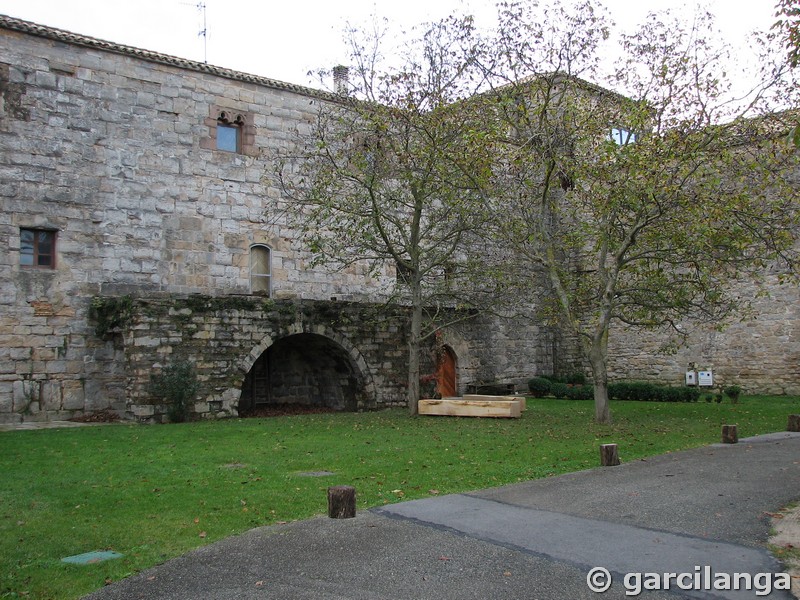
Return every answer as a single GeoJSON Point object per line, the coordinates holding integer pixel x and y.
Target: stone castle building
{"type": "Point", "coordinates": [139, 230]}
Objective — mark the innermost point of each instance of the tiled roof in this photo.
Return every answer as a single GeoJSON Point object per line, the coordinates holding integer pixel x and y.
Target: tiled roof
{"type": "Point", "coordinates": [68, 37]}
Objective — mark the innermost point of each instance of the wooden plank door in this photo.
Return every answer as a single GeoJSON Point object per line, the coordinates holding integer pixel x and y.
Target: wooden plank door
{"type": "Point", "coordinates": [446, 373]}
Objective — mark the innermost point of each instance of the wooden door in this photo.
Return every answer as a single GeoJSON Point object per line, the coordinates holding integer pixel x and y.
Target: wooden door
{"type": "Point", "coordinates": [446, 374]}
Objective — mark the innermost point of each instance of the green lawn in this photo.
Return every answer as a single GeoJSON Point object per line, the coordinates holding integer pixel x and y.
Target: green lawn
{"type": "Point", "coordinates": [155, 492]}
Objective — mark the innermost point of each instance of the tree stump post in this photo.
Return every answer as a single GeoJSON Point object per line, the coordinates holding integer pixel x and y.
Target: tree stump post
{"type": "Point", "coordinates": [794, 423]}
{"type": "Point", "coordinates": [609, 455]}
{"type": "Point", "coordinates": [341, 502]}
{"type": "Point", "coordinates": [730, 434]}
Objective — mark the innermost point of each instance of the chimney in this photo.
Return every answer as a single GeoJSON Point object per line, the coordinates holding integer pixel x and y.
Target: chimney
{"type": "Point", "coordinates": [340, 79]}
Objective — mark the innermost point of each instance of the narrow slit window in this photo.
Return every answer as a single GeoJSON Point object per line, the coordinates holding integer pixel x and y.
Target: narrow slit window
{"type": "Point", "coordinates": [261, 270]}
{"type": "Point", "coordinates": [37, 248]}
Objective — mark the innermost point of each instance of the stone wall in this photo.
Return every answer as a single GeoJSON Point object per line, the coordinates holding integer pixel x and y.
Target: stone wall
{"type": "Point", "coordinates": [114, 153]}
{"type": "Point", "coordinates": [224, 337]}
{"type": "Point", "coordinates": [112, 149]}
{"type": "Point", "coordinates": [508, 349]}
{"type": "Point", "coordinates": [759, 351]}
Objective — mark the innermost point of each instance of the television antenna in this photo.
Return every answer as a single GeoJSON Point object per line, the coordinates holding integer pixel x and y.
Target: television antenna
{"type": "Point", "coordinates": [201, 6]}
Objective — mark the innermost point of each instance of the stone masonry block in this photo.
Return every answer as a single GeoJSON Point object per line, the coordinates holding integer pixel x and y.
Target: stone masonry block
{"type": "Point", "coordinates": [73, 396]}
{"type": "Point", "coordinates": [51, 395]}
{"type": "Point", "coordinates": [143, 410]}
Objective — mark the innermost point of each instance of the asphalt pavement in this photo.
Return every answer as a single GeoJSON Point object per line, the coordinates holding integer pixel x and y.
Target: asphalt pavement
{"type": "Point", "coordinates": [682, 525]}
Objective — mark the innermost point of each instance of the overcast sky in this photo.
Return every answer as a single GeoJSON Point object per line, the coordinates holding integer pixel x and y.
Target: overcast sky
{"type": "Point", "coordinates": [284, 39]}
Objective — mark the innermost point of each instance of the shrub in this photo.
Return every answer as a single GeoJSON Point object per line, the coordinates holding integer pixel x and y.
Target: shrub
{"type": "Point", "coordinates": [110, 314]}
{"type": "Point", "coordinates": [733, 392]}
{"type": "Point", "coordinates": [580, 392]}
{"type": "Point", "coordinates": [633, 390]}
{"type": "Point", "coordinates": [576, 378]}
{"type": "Point", "coordinates": [560, 390]}
{"type": "Point", "coordinates": [669, 394]}
{"type": "Point", "coordinates": [177, 386]}
{"type": "Point", "coordinates": [690, 394]}
{"type": "Point", "coordinates": [539, 387]}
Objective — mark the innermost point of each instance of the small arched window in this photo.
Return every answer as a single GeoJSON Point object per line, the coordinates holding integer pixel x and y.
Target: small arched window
{"type": "Point", "coordinates": [261, 270]}
{"type": "Point", "coordinates": [229, 132]}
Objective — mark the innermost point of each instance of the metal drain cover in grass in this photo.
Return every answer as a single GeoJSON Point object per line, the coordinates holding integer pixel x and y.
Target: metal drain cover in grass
{"type": "Point", "coordinates": [89, 558]}
{"type": "Point", "coordinates": [316, 474]}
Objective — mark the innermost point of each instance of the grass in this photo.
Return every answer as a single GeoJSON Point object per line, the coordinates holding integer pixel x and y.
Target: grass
{"type": "Point", "coordinates": [155, 492]}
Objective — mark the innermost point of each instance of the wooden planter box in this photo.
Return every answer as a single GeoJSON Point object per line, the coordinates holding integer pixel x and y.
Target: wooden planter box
{"type": "Point", "coordinates": [498, 406]}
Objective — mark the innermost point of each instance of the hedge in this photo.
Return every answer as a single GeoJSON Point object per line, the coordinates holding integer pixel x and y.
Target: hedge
{"type": "Point", "coordinates": [650, 392]}
{"type": "Point", "coordinates": [625, 390]}
{"type": "Point", "coordinates": [576, 378]}
{"type": "Point", "coordinates": [539, 387]}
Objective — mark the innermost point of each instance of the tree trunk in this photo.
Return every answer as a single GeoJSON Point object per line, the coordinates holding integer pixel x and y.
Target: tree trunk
{"type": "Point", "coordinates": [609, 455]}
{"type": "Point", "coordinates": [598, 358]}
{"type": "Point", "coordinates": [413, 350]}
{"type": "Point", "coordinates": [730, 434]}
{"type": "Point", "coordinates": [793, 423]}
{"type": "Point", "coordinates": [341, 502]}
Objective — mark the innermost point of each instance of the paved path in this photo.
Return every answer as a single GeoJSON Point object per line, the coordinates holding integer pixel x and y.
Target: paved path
{"type": "Point", "coordinates": [681, 512]}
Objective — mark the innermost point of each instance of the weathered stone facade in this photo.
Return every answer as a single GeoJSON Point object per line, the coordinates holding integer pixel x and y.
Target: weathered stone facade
{"type": "Point", "coordinates": [112, 151]}
{"type": "Point", "coordinates": [760, 353]}
{"type": "Point", "coordinates": [310, 341]}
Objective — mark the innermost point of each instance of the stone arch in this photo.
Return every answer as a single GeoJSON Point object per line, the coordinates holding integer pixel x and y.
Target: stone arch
{"type": "Point", "coordinates": [310, 365]}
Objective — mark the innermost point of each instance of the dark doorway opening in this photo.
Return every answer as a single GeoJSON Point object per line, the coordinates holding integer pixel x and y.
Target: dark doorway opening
{"type": "Point", "coordinates": [305, 372]}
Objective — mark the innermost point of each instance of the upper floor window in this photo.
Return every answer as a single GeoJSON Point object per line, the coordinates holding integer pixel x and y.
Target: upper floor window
{"type": "Point", "coordinates": [261, 270]}
{"type": "Point", "coordinates": [37, 248]}
{"type": "Point", "coordinates": [622, 137]}
{"type": "Point", "coordinates": [229, 132]}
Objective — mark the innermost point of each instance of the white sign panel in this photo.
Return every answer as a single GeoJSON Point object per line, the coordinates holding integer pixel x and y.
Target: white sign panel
{"type": "Point", "coordinates": [705, 378]}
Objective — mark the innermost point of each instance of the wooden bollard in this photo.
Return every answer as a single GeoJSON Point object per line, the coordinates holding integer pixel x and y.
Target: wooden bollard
{"type": "Point", "coordinates": [609, 456]}
{"type": "Point", "coordinates": [730, 434]}
{"type": "Point", "coordinates": [341, 502]}
{"type": "Point", "coordinates": [794, 423]}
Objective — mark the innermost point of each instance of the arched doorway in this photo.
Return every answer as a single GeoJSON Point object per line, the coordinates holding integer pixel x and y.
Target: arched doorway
{"type": "Point", "coordinates": [446, 380]}
{"type": "Point", "coordinates": [303, 370]}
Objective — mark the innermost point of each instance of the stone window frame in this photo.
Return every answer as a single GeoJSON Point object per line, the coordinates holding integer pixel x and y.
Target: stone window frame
{"type": "Point", "coordinates": [234, 123]}
{"type": "Point", "coordinates": [52, 235]}
{"type": "Point", "coordinates": [255, 249]}
{"type": "Point", "coordinates": [230, 117]}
